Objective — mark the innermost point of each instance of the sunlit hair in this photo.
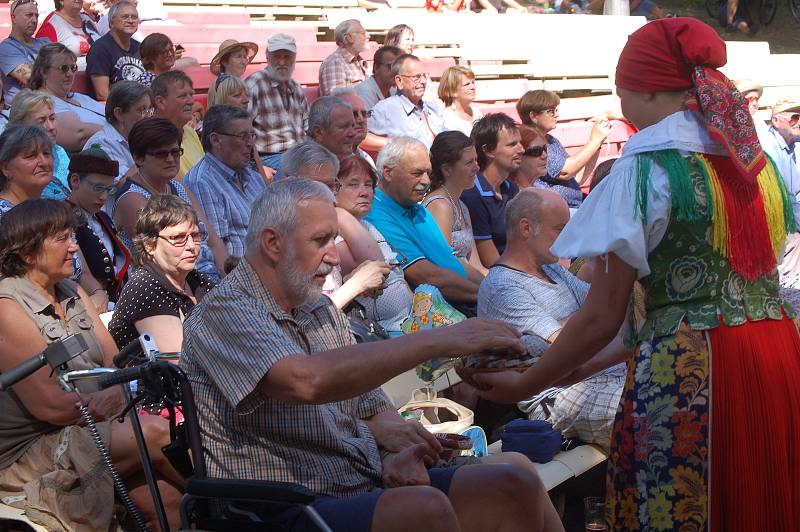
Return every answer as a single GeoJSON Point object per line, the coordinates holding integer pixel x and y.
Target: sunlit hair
{"type": "Point", "coordinates": [451, 81]}
{"type": "Point", "coordinates": [160, 211]}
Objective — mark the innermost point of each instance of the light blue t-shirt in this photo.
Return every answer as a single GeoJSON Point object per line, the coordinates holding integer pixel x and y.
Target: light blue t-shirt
{"type": "Point", "coordinates": [412, 233]}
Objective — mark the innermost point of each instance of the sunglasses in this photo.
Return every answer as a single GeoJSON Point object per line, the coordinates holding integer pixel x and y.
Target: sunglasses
{"type": "Point", "coordinates": [793, 119]}
{"type": "Point", "coordinates": [67, 68]}
{"type": "Point", "coordinates": [362, 114]}
{"type": "Point", "coordinates": [752, 98]}
{"type": "Point", "coordinates": [163, 154]}
{"type": "Point", "coordinates": [182, 239]}
{"type": "Point", "coordinates": [20, 3]}
{"type": "Point", "coordinates": [535, 151]}
{"type": "Point", "coordinates": [550, 111]}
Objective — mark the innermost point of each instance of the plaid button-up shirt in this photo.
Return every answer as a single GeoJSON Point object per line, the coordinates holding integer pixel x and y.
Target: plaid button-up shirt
{"type": "Point", "coordinates": [341, 69]}
{"type": "Point", "coordinates": [227, 197]}
{"type": "Point", "coordinates": [232, 339]}
{"type": "Point", "coordinates": [280, 111]}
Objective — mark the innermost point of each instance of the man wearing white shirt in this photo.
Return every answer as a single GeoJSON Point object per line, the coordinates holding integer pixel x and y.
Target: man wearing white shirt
{"type": "Point", "coordinates": [779, 143]}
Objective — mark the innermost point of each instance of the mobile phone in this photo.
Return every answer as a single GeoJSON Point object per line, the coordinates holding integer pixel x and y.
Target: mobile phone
{"type": "Point", "coordinates": [179, 48]}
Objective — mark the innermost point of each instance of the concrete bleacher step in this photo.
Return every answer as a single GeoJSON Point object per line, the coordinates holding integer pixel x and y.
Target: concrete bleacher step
{"type": "Point", "coordinates": [216, 33]}
{"type": "Point", "coordinates": [220, 15]}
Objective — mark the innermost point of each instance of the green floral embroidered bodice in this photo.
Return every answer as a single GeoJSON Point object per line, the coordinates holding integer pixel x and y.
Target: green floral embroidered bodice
{"type": "Point", "coordinates": [688, 278]}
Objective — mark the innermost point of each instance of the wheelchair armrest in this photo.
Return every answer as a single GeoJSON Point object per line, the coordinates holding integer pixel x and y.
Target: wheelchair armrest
{"type": "Point", "coordinates": [254, 490]}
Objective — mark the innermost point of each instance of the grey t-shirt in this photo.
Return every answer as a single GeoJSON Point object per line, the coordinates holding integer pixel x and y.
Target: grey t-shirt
{"type": "Point", "coordinates": [529, 303]}
{"type": "Point", "coordinates": [14, 53]}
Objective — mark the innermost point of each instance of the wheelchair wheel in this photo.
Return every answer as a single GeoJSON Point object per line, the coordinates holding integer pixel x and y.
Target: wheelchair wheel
{"type": "Point", "coordinates": [767, 10]}
{"type": "Point", "coordinates": [794, 5]}
{"type": "Point", "coordinates": [712, 7]}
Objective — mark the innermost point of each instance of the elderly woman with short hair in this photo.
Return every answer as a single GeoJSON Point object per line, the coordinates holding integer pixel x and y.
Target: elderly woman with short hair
{"type": "Point", "coordinates": [26, 165]}
{"type": "Point", "coordinates": [457, 92]}
{"type": "Point", "coordinates": [48, 460]}
{"type": "Point", "coordinates": [539, 110]}
{"type": "Point", "coordinates": [36, 107]}
{"type": "Point", "coordinates": [79, 116]}
{"type": "Point", "coordinates": [128, 103]}
{"type": "Point", "coordinates": [163, 290]}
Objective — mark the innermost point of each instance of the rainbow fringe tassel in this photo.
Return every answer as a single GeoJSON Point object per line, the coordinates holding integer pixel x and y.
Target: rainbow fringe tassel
{"type": "Point", "coordinates": [749, 222]}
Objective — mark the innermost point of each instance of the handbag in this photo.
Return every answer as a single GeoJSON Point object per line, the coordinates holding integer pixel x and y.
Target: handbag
{"type": "Point", "coordinates": [429, 414]}
{"type": "Point", "coordinates": [364, 328]}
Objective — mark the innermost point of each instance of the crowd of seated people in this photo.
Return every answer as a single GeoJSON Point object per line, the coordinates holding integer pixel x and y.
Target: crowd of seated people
{"type": "Point", "coordinates": [244, 241]}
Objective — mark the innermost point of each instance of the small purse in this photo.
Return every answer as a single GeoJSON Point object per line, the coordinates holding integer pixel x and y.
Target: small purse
{"type": "Point", "coordinates": [364, 328]}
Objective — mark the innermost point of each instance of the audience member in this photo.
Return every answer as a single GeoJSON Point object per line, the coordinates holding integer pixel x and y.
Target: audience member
{"type": "Point", "coordinates": [454, 163]}
{"type": "Point", "coordinates": [735, 15]}
{"type": "Point", "coordinates": [345, 66]}
{"type": "Point", "coordinates": [252, 376]}
{"type": "Point", "coordinates": [360, 118]}
{"type": "Point", "coordinates": [78, 116]}
{"type": "Point", "coordinates": [156, 148]}
{"type": "Point", "coordinates": [497, 143]}
{"type": "Point", "coordinates": [26, 164]}
{"type": "Point", "coordinates": [779, 143]}
{"type": "Point", "coordinates": [115, 56]}
{"type": "Point", "coordinates": [231, 61]}
{"type": "Point", "coordinates": [406, 113]}
{"type": "Point", "coordinates": [278, 103]}
{"type": "Point", "coordinates": [158, 56]}
{"type": "Point", "coordinates": [48, 460]}
{"type": "Point", "coordinates": [146, 12]}
{"type": "Point", "coordinates": [528, 289]}
{"type": "Point", "coordinates": [362, 258]}
{"type": "Point", "coordinates": [357, 188]}
{"type": "Point", "coordinates": [18, 51]}
{"type": "Point", "coordinates": [331, 124]}
{"type": "Point", "coordinates": [402, 37]}
{"type": "Point", "coordinates": [36, 108]}
{"type": "Point", "coordinates": [165, 285]}
{"type": "Point", "coordinates": [533, 165]}
{"type": "Point", "coordinates": [173, 92]}
{"type": "Point", "coordinates": [423, 252]}
{"type": "Point", "coordinates": [539, 109]}
{"type": "Point", "coordinates": [72, 28]}
{"type": "Point", "coordinates": [91, 179]}
{"type": "Point", "coordinates": [127, 103]}
{"type": "Point", "coordinates": [457, 92]}
{"type": "Point", "coordinates": [223, 181]}
{"type": "Point", "coordinates": [380, 85]}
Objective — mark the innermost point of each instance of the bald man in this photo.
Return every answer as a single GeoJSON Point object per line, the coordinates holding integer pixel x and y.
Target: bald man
{"type": "Point", "coordinates": [527, 288]}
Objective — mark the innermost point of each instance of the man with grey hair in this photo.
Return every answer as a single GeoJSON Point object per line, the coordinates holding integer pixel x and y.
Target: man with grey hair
{"type": "Point", "coordinates": [313, 161]}
{"type": "Point", "coordinates": [18, 51]}
{"type": "Point", "coordinates": [222, 180]}
{"type": "Point", "coordinates": [331, 124]}
{"type": "Point", "coordinates": [115, 55]}
{"type": "Point", "coordinates": [278, 103]}
{"type": "Point", "coordinates": [360, 117]}
{"type": "Point", "coordinates": [426, 257]}
{"type": "Point", "coordinates": [405, 112]}
{"type": "Point", "coordinates": [528, 289]}
{"type": "Point", "coordinates": [345, 66]}
{"type": "Point", "coordinates": [288, 395]}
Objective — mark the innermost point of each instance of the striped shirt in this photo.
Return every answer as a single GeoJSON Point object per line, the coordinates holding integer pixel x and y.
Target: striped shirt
{"type": "Point", "coordinates": [227, 197]}
{"type": "Point", "coordinates": [279, 111]}
{"type": "Point", "coordinates": [231, 340]}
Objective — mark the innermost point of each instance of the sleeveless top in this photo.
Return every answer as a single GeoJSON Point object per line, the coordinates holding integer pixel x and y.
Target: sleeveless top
{"type": "Point", "coordinates": [18, 428]}
{"type": "Point", "coordinates": [461, 238]}
{"type": "Point", "coordinates": [205, 263]}
{"type": "Point", "coordinates": [688, 278]}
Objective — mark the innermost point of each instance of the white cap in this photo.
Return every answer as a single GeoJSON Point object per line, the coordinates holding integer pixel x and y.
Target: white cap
{"type": "Point", "coordinates": [281, 41]}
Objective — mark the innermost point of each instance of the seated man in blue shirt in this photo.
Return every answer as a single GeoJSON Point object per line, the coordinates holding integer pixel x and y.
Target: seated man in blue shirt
{"type": "Point", "coordinates": [405, 113]}
{"type": "Point", "coordinates": [222, 180]}
{"type": "Point", "coordinates": [18, 51]}
{"type": "Point", "coordinates": [424, 254]}
{"type": "Point", "coordinates": [779, 143]}
{"type": "Point", "coordinates": [499, 149]}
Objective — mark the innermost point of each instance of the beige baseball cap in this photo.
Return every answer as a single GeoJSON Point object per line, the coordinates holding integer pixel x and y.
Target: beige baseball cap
{"type": "Point", "coordinates": [786, 106]}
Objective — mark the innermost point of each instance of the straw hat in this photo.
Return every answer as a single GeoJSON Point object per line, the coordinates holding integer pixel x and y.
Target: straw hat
{"type": "Point", "coordinates": [785, 106]}
{"type": "Point", "coordinates": [748, 85]}
{"type": "Point", "coordinates": [228, 47]}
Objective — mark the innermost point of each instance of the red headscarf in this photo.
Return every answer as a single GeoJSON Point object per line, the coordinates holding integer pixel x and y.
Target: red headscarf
{"type": "Point", "coordinates": [676, 54]}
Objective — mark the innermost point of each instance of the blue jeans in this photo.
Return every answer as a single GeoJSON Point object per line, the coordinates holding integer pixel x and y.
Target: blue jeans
{"type": "Point", "coordinates": [274, 162]}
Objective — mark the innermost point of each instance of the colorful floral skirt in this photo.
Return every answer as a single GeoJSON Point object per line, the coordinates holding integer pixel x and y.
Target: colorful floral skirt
{"type": "Point", "coordinates": [707, 436]}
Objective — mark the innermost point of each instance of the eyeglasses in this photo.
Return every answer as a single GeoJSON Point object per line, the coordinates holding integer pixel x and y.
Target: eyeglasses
{"type": "Point", "coordinates": [244, 136]}
{"type": "Point", "coordinates": [752, 98]}
{"type": "Point", "coordinates": [176, 153]}
{"type": "Point", "coordinates": [145, 112]}
{"type": "Point", "coordinates": [97, 188]}
{"type": "Point", "coordinates": [335, 187]}
{"type": "Point", "coordinates": [793, 119]}
{"type": "Point", "coordinates": [549, 111]}
{"type": "Point", "coordinates": [128, 17]}
{"type": "Point", "coordinates": [362, 114]}
{"type": "Point", "coordinates": [169, 52]}
{"type": "Point", "coordinates": [182, 239]}
{"type": "Point", "coordinates": [21, 3]}
{"type": "Point", "coordinates": [416, 78]}
{"type": "Point", "coordinates": [535, 151]}
{"type": "Point", "coordinates": [67, 68]}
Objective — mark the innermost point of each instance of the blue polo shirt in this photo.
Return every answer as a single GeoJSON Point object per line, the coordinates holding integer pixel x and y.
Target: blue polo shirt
{"type": "Point", "coordinates": [412, 233]}
{"type": "Point", "coordinates": [487, 211]}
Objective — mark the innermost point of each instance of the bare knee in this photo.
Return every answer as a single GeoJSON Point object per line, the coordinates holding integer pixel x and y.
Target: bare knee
{"type": "Point", "coordinates": [414, 508]}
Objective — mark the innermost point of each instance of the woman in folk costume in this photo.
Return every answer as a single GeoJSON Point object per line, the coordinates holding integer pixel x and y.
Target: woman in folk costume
{"type": "Point", "coordinates": [706, 437]}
